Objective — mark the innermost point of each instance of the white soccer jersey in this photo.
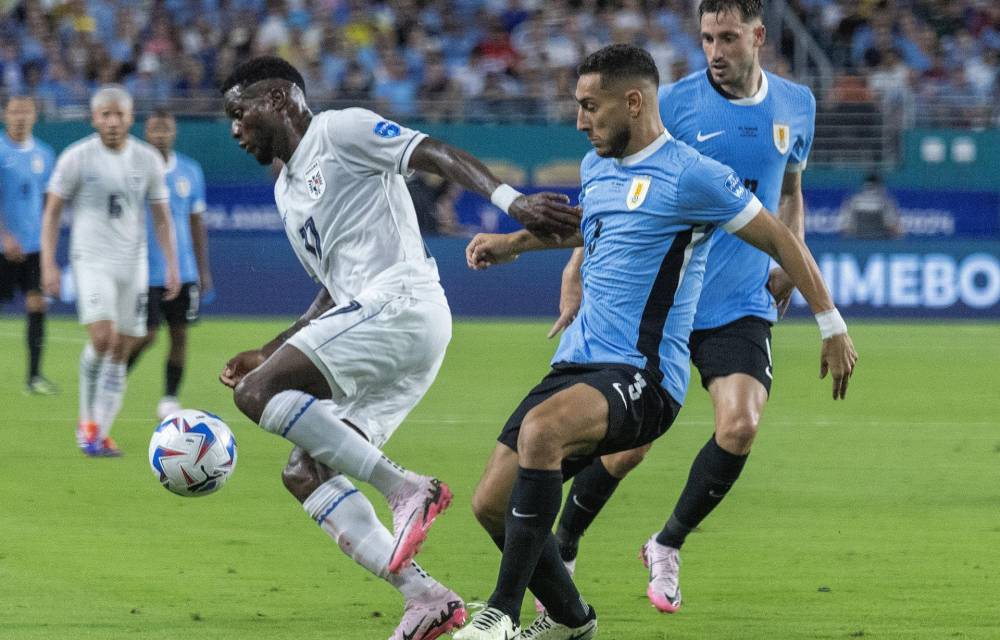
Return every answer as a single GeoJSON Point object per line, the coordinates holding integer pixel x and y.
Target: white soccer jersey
{"type": "Point", "coordinates": [343, 200]}
{"type": "Point", "coordinates": [108, 191]}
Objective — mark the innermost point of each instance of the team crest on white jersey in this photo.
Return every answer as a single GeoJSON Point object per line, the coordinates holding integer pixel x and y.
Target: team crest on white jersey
{"type": "Point", "coordinates": [134, 179]}
{"type": "Point", "coordinates": [37, 164]}
{"type": "Point", "coordinates": [315, 182]}
{"type": "Point", "coordinates": [782, 135]}
{"type": "Point", "coordinates": [183, 187]}
{"type": "Point", "coordinates": [637, 192]}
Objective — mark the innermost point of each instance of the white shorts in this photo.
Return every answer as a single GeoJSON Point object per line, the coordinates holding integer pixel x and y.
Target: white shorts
{"type": "Point", "coordinates": [112, 293]}
{"type": "Point", "coordinates": [380, 354]}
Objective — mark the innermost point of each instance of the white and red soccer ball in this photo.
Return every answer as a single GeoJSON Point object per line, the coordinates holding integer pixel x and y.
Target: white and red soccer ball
{"type": "Point", "coordinates": [192, 453]}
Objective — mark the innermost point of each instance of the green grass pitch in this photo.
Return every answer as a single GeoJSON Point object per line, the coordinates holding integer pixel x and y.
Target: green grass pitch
{"type": "Point", "coordinates": [878, 517]}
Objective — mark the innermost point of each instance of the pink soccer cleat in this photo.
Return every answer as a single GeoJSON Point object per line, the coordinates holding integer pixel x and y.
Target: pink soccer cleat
{"type": "Point", "coordinates": [430, 617]}
{"type": "Point", "coordinates": [664, 564]}
{"type": "Point", "coordinates": [414, 508]}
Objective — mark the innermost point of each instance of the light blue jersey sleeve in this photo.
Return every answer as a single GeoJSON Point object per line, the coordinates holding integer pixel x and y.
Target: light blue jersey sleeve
{"type": "Point", "coordinates": [710, 192]}
{"type": "Point", "coordinates": [799, 153]}
{"type": "Point", "coordinates": [198, 204]}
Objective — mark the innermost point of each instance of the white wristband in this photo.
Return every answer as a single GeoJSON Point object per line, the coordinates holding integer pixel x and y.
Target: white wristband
{"type": "Point", "coordinates": [830, 323]}
{"type": "Point", "coordinates": [503, 196]}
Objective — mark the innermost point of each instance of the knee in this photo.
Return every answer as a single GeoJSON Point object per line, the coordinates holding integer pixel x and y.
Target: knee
{"type": "Point", "coordinates": [103, 342]}
{"type": "Point", "coordinates": [538, 442]}
{"type": "Point", "coordinates": [620, 464]}
{"type": "Point", "coordinates": [300, 476]}
{"type": "Point", "coordinates": [489, 514]}
{"type": "Point", "coordinates": [35, 303]}
{"type": "Point", "coordinates": [736, 431]}
{"type": "Point", "coordinates": [146, 341]}
{"type": "Point", "coordinates": [251, 397]}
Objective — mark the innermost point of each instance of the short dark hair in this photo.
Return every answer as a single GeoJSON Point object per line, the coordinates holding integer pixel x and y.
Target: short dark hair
{"type": "Point", "coordinates": [263, 68]}
{"type": "Point", "coordinates": [748, 9]}
{"type": "Point", "coordinates": [620, 61]}
{"type": "Point", "coordinates": [160, 112]}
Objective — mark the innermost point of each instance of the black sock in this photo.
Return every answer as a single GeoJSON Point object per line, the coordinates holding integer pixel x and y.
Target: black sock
{"type": "Point", "coordinates": [534, 504]}
{"type": "Point", "coordinates": [591, 490]}
{"type": "Point", "coordinates": [712, 474]}
{"type": "Point", "coordinates": [36, 336]}
{"type": "Point", "coordinates": [552, 584]}
{"type": "Point", "coordinates": [174, 373]}
{"type": "Point", "coordinates": [132, 359]}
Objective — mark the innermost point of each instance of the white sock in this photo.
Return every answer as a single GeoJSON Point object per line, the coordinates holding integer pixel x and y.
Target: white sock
{"type": "Point", "coordinates": [298, 417]}
{"type": "Point", "coordinates": [90, 368]}
{"type": "Point", "coordinates": [347, 516]}
{"type": "Point", "coordinates": [109, 396]}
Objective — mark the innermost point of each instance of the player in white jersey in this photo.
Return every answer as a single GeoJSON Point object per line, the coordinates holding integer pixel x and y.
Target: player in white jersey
{"type": "Point", "coordinates": [340, 380]}
{"type": "Point", "coordinates": [107, 179]}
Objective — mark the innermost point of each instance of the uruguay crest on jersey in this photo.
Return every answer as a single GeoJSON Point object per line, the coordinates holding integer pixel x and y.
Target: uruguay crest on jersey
{"type": "Point", "coordinates": [782, 137]}
{"type": "Point", "coordinates": [315, 182]}
{"type": "Point", "coordinates": [637, 192]}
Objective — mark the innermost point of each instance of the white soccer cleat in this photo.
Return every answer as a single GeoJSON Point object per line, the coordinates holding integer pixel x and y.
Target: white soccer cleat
{"type": "Point", "coordinates": [430, 617]}
{"type": "Point", "coordinates": [489, 624]}
{"type": "Point", "coordinates": [545, 628]}
{"type": "Point", "coordinates": [414, 508]}
{"type": "Point", "coordinates": [571, 567]}
{"type": "Point", "coordinates": [664, 564]}
{"type": "Point", "coordinates": [166, 406]}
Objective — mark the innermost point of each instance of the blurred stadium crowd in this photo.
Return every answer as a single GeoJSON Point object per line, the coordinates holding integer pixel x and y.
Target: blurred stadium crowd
{"type": "Point", "coordinates": [926, 61]}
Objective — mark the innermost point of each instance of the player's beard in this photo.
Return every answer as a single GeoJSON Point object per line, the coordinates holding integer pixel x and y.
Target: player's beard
{"type": "Point", "coordinates": [618, 142]}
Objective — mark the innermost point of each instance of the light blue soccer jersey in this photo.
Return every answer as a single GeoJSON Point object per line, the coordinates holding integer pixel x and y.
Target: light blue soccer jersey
{"type": "Point", "coordinates": [24, 173]}
{"type": "Point", "coordinates": [761, 138]}
{"type": "Point", "coordinates": [646, 224]}
{"type": "Point", "coordinates": [186, 184]}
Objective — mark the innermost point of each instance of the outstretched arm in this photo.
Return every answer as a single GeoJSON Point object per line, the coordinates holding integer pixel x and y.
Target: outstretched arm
{"type": "Point", "coordinates": [488, 249]}
{"type": "Point", "coordinates": [774, 238]}
{"type": "Point", "coordinates": [545, 214]}
{"type": "Point", "coordinates": [243, 363]}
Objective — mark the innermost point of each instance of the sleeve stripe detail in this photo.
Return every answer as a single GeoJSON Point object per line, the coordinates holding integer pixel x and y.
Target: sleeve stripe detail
{"type": "Point", "coordinates": [741, 219]}
{"type": "Point", "coordinates": [404, 160]}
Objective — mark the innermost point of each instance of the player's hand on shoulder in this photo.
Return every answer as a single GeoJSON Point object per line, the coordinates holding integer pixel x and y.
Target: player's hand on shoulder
{"type": "Point", "coordinates": [11, 248]}
{"type": "Point", "coordinates": [488, 249]}
{"type": "Point", "coordinates": [546, 214]}
{"type": "Point", "coordinates": [781, 288]}
{"type": "Point", "coordinates": [239, 366]}
{"type": "Point", "coordinates": [838, 358]}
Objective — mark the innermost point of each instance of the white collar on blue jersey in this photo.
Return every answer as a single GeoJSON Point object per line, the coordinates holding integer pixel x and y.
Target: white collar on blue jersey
{"type": "Point", "coordinates": [649, 150]}
{"type": "Point", "coordinates": [756, 98]}
{"type": "Point", "coordinates": [171, 162]}
{"type": "Point", "coordinates": [27, 145]}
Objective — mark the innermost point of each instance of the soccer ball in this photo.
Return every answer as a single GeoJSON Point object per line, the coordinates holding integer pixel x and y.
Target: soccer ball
{"type": "Point", "coordinates": [192, 453]}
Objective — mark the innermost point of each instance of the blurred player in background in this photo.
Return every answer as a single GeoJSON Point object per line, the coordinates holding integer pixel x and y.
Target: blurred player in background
{"type": "Point", "coordinates": [25, 166]}
{"type": "Point", "coordinates": [372, 342]}
{"type": "Point", "coordinates": [651, 205]}
{"type": "Point", "coordinates": [107, 179]}
{"type": "Point", "coordinates": [762, 126]}
{"type": "Point", "coordinates": [186, 184]}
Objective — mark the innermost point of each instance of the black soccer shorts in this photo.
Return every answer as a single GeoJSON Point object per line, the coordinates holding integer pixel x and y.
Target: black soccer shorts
{"type": "Point", "coordinates": [742, 346]}
{"type": "Point", "coordinates": [24, 276]}
{"type": "Point", "coordinates": [180, 311]}
{"type": "Point", "coordinates": [639, 409]}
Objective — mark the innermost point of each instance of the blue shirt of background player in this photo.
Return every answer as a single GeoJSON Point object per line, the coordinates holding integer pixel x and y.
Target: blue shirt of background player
{"type": "Point", "coordinates": [647, 219]}
{"type": "Point", "coordinates": [186, 184]}
{"type": "Point", "coordinates": [24, 172]}
{"type": "Point", "coordinates": [761, 137]}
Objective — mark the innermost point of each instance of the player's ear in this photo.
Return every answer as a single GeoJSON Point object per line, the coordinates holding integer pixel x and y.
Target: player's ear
{"type": "Point", "coordinates": [278, 97]}
{"type": "Point", "coordinates": [759, 35]}
{"type": "Point", "coordinates": [634, 102]}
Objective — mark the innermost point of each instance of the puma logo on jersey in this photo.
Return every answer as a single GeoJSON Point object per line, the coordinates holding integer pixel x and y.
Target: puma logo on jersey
{"type": "Point", "coordinates": [315, 182]}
